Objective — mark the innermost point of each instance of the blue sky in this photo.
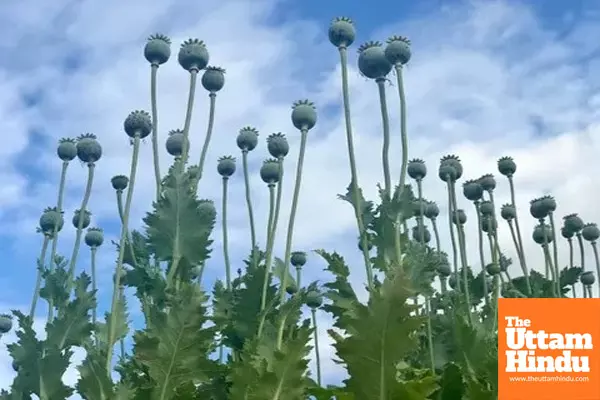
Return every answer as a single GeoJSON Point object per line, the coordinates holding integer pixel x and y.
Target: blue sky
{"type": "Point", "coordinates": [487, 79]}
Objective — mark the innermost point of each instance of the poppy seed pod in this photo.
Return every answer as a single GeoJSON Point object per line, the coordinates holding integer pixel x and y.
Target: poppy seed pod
{"type": "Point", "coordinates": [174, 143]}
{"type": "Point", "coordinates": [342, 32]}
{"type": "Point", "coordinates": [278, 145]}
{"type": "Point", "coordinates": [5, 323]}
{"type": "Point", "coordinates": [417, 169]}
{"type": "Point", "coordinates": [416, 233]}
{"type": "Point", "coordinates": [86, 217]}
{"type": "Point", "coordinates": [432, 210]}
{"type": "Point", "coordinates": [507, 166]}
{"type": "Point", "coordinates": [207, 207]}
{"type": "Point", "coordinates": [460, 217]}
{"type": "Point", "coordinates": [213, 79]}
{"type": "Point", "coordinates": [119, 182]}
{"type": "Point", "coordinates": [298, 259]}
{"type": "Point", "coordinates": [67, 149]}
{"type": "Point", "coordinates": [538, 209]}
{"type": "Point", "coordinates": [94, 237]}
{"type": "Point", "coordinates": [247, 138]}
{"type": "Point", "coordinates": [486, 208]}
{"type": "Point", "coordinates": [590, 232]}
{"type": "Point", "coordinates": [226, 166]}
{"type": "Point", "coordinates": [88, 149]}
{"type": "Point", "coordinates": [50, 220]}
{"type": "Point", "coordinates": [493, 269]}
{"type": "Point", "coordinates": [508, 212]}
{"type": "Point", "coordinates": [488, 182]}
{"type": "Point", "coordinates": [472, 190]}
{"type": "Point", "coordinates": [397, 50]}
{"type": "Point", "coordinates": [454, 161]}
{"type": "Point", "coordinates": [372, 61]}
{"type": "Point", "coordinates": [587, 278]}
{"type": "Point", "coordinates": [444, 269]}
{"type": "Point", "coordinates": [193, 55]}
{"type": "Point", "coordinates": [158, 49]}
{"type": "Point", "coordinates": [269, 171]}
{"type": "Point", "coordinates": [418, 207]}
{"type": "Point", "coordinates": [542, 234]}
{"type": "Point", "coordinates": [452, 281]}
{"type": "Point", "coordinates": [549, 203]}
{"type": "Point", "coordinates": [573, 223]}
{"type": "Point", "coordinates": [314, 299]}
{"type": "Point", "coordinates": [291, 289]}
{"type": "Point", "coordinates": [488, 224]}
{"type": "Point", "coordinates": [447, 173]}
{"type": "Point", "coordinates": [566, 233]}
{"type": "Point", "coordinates": [304, 115]}
{"type": "Point", "coordinates": [138, 123]}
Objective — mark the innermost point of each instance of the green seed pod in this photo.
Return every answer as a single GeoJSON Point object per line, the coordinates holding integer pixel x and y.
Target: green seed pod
{"type": "Point", "coordinates": [432, 210]}
{"type": "Point", "coordinates": [566, 233]}
{"type": "Point", "coordinates": [397, 50]}
{"type": "Point", "coordinates": [304, 114]}
{"type": "Point", "coordinates": [119, 182]}
{"type": "Point", "coordinates": [226, 166]}
{"type": "Point", "coordinates": [487, 182]}
{"type": "Point", "coordinates": [507, 166]}
{"type": "Point", "coordinates": [88, 149]}
{"type": "Point", "coordinates": [508, 212]}
{"type": "Point", "coordinates": [590, 232]}
{"type": "Point", "coordinates": [486, 208]}
{"type": "Point", "coordinates": [573, 223]}
{"type": "Point", "coordinates": [314, 299]}
{"type": "Point", "coordinates": [278, 145]}
{"type": "Point", "coordinates": [207, 207]}
{"type": "Point", "coordinates": [452, 281]}
{"type": "Point", "coordinates": [193, 55]}
{"type": "Point", "coordinates": [158, 49]}
{"type": "Point", "coordinates": [195, 272]}
{"type": "Point", "coordinates": [298, 259]}
{"type": "Point", "coordinates": [460, 217]}
{"type": "Point", "coordinates": [342, 32]}
{"type": "Point", "coordinates": [549, 203]}
{"type": "Point", "coordinates": [488, 224]}
{"type": "Point", "coordinates": [418, 206]}
{"type": "Point", "coordinates": [416, 234]}
{"type": "Point", "coordinates": [175, 142]}
{"type": "Point", "coordinates": [587, 278]}
{"type": "Point", "coordinates": [444, 269]}
{"type": "Point", "coordinates": [372, 61]}
{"type": "Point", "coordinates": [538, 208]}
{"type": "Point", "coordinates": [417, 169]}
{"type": "Point", "coordinates": [291, 289]}
{"type": "Point", "coordinates": [86, 218]}
{"type": "Point", "coordinates": [213, 79]}
{"type": "Point", "coordinates": [67, 149]}
{"type": "Point", "coordinates": [472, 190]}
{"type": "Point", "coordinates": [447, 173]}
{"type": "Point", "coordinates": [138, 123]}
{"type": "Point", "coordinates": [5, 323]}
{"type": "Point", "coordinates": [454, 161]}
{"type": "Point", "coordinates": [540, 231]}
{"type": "Point", "coordinates": [269, 171]}
{"type": "Point", "coordinates": [493, 269]}
{"type": "Point", "coordinates": [247, 138]}
{"type": "Point", "coordinates": [94, 237]}
{"type": "Point", "coordinates": [51, 219]}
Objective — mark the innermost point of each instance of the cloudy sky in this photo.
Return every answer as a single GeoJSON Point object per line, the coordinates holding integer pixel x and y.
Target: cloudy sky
{"type": "Point", "coordinates": [487, 79]}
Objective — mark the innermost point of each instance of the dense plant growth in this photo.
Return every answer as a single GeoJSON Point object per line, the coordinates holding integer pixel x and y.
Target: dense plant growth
{"type": "Point", "coordinates": [427, 331]}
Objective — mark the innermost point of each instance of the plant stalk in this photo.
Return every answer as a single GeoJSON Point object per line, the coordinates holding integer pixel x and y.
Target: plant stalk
{"type": "Point", "coordinates": [188, 117]}
{"type": "Point", "coordinates": [225, 235]}
{"type": "Point", "coordinates": [385, 151]}
{"type": "Point", "coordinates": [249, 200]}
{"type": "Point", "coordinates": [207, 138]}
{"type": "Point", "coordinates": [40, 267]}
{"type": "Point", "coordinates": [481, 253]}
{"type": "Point", "coordinates": [155, 154]}
{"type": "Point", "coordinates": [313, 312]}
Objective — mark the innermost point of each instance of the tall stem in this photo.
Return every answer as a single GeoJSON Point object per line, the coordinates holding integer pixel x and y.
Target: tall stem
{"type": "Point", "coordinates": [225, 235]}
{"type": "Point", "coordinates": [572, 262]}
{"type": "Point", "coordinates": [463, 252]}
{"type": "Point", "coordinates": [271, 187]}
{"type": "Point", "coordinates": [452, 237]}
{"type": "Point", "coordinates": [153, 104]}
{"type": "Point", "coordinates": [120, 204]}
{"type": "Point", "coordinates": [188, 117]}
{"type": "Point", "coordinates": [511, 227]}
{"type": "Point", "coordinates": [290, 232]}
{"type": "Point", "coordinates": [436, 233]}
{"type": "Point", "coordinates": [555, 251]}
{"type": "Point", "coordinates": [249, 198]}
{"type": "Point", "coordinates": [94, 283]}
{"type": "Point", "coordinates": [481, 253]}
{"type": "Point", "coordinates": [385, 151]}
{"type": "Point", "coordinates": [207, 138]}
{"type": "Point", "coordinates": [356, 198]}
{"type": "Point", "coordinates": [41, 262]}
{"type": "Point", "coordinates": [124, 232]}
{"type": "Point", "coordinates": [581, 253]}
{"type": "Point", "coordinates": [313, 312]}
{"type": "Point", "coordinates": [82, 210]}
{"type": "Point", "coordinates": [421, 211]}
{"type": "Point", "coordinates": [403, 130]}
{"type": "Point", "coordinates": [61, 192]}
{"type": "Point", "coordinates": [523, 258]}
{"type": "Point", "coordinates": [597, 259]}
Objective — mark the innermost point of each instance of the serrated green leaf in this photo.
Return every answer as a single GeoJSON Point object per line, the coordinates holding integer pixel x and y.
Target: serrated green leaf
{"type": "Point", "coordinates": [94, 382]}
{"type": "Point", "coordinates": [362, 204]}
{"type": "Point", "coordinates": [451, 384]}
{"type": "Point", "coordinates": [120, 321]}
{"type": "Point", "coordinates": [279, 269]}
